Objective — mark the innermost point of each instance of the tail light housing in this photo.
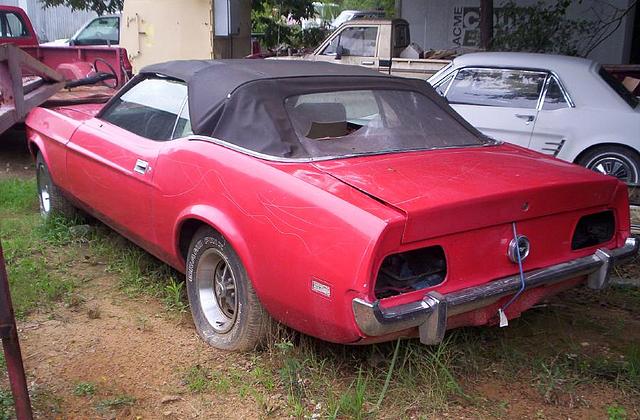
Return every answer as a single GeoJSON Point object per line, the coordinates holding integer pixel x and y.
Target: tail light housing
{"type": "Point", "coordinates": [412, 270]}
{"type": "Point", "coordinates": [593, 229]}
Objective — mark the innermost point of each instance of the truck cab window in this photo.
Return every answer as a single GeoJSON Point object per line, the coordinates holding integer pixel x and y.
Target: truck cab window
{"type": "Point", "coordinates": [13, 26]}
{"type": "Point", "coordinates": [101, 31]}
{"type": "Point", "coordinates": [357, 41]}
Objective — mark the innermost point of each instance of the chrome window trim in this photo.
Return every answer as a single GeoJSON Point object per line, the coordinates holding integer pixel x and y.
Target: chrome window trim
{"type": "Point", "coordinates": [565, 92]}
{"type": "Point", "coordinates": [567, 100]}
{"type": "Point", "coordinates": [175, 124]}
{"type": "Point", "coordinates": [545, 72]}
{"type": "Point", "coordinates": [236, 148]}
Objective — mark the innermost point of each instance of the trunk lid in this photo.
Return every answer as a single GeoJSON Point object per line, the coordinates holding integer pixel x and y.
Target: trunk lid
{"type": "Point", "coordinates": [455, 190]}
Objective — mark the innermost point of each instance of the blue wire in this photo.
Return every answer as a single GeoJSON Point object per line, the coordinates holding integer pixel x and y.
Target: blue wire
{"type": "Point", "coordinates": [522, 281]}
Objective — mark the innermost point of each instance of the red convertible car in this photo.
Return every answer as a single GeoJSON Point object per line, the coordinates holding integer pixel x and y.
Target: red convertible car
{"type": "Point", "coordinates": [349, 205]}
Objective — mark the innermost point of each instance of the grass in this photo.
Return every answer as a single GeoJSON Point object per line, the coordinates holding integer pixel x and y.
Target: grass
{"type": "Point", "coordinates": [197, 379]}
{"type": "Point", "coordinates": [316, 379]}
{"type": "Point", "coordinates": [36, 253]}
{"type": "Point", "coordinates": [34, 277]}
{"type": "Point", "coordinates": [116, 402]}
{"type": "Point", "coordinates": [84, 389]}
{"type": "Point", "coordinates": [6, 405]}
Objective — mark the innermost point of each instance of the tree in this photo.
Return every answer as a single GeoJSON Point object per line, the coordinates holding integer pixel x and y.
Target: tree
{"type": "Point", "coordinates": [99, 6]}
{"type": "Point", "coordinates": [295, 9]}
{"type": "Point", "coordinates": [544, 27]}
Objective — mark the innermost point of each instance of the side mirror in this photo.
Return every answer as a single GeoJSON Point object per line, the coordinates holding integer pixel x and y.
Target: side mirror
{"type": "Point", "coordinates": [72, 42]}
{"type": "Point", "coordinates": [339, 52]}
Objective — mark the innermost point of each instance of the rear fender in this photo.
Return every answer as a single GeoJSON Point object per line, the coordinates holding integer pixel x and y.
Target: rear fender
{"type": "Point", "coordinates": [221, 223]}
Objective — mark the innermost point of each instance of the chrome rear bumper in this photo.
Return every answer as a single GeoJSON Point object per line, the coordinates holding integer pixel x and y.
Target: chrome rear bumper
{"type": "Point", "coordinates": [430, 314]}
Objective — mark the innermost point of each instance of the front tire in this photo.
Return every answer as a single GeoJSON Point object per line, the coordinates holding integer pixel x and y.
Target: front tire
{"type": "Point", "coordinates": [225, 309]}
{"type": "Point", "coordinates": [52, 201]}
{"type": "Point", "coordinates": [614, 160]}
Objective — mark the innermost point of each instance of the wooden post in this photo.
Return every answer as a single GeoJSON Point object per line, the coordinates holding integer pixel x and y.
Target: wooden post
{"type": "Point", "coordinates": [486, 24]}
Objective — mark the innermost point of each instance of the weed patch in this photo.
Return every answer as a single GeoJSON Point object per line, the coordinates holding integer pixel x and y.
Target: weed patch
{"type": "Point", "coordinates": [116, 402]}
{"type": "Point", "coordinates": [6, 405]}
{"type": "Point", "coordinates": [84, 389]}
{"type": "Point", "coordinates": [35, 279]}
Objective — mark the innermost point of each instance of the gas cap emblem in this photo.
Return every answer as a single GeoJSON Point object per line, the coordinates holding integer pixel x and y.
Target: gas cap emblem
{"type": "Point", "coordinates": [520, 243]}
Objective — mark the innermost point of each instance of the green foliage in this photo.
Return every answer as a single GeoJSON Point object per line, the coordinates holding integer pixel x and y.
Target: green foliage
{"type": "Point", "coordinates": [17, 195]}
{"type": "Point", "coordinates": [275, 32]}
{"type": "Point", "coordinates": [175, 298]}
{"type": "Point", "coordinates": [84, 389]}
{"type": "Point", "coordinates": [99, 6]}
{"type": "Point", "coordinates": [116, 402]}
{"type": "Point", "coordinates": [616, 412]}
{"type": "Point", "coordinates": [197, 379]}
{"type": "Point", "coordinates": [296, 9]}
{"type": "Point", "coordinates": [6, 405]}
{"type": "Point", "coordinates": [543, 28]}
{"type": "Point", "coordinates": [387, 5]}
{"type": "Point", "coordinates": [34, 283]}
{"type": "Point", "coordinates": [352, 403]}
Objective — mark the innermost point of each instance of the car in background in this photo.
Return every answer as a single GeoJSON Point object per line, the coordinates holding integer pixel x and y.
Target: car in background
{"type": "Point", "coordinates": [102, 30]}
{"type": "Point", "coordinates": [347, 15]}
{"type": "Point", "coordinates": [566, 107]}
{"type": "Point", "coordinates": [365, 209]}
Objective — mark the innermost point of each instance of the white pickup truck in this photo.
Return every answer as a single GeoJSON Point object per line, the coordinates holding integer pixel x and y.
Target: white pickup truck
{"type": "Point", "coordinates": [381, 44]}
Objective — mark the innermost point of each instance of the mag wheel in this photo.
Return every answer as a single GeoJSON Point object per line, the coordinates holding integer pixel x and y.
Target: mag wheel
{"type": "Point", "coordinates": [226, 311]}
{"type": "Point", "coordinates": [51, 199]}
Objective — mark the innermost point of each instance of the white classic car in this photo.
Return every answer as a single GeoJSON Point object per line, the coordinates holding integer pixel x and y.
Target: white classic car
{"type": "Point", "coordinates": [567, 107]}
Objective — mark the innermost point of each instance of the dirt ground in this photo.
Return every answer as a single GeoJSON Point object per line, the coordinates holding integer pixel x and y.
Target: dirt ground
{"type": "Point", "coordinates": [15, 160]}
{"type": "Point", "coordinates": [137, 355]}
{"type": "Point", "coordinates": [127, 348]}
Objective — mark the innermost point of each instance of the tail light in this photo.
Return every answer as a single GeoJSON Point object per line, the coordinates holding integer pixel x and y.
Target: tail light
{"type": "Point", "coordinates": [593, 229]}
{"type": "Point", "coordinates": [412, 270]}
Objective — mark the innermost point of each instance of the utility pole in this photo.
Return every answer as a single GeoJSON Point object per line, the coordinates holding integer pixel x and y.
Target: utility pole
{"type": "Point", "coordinates": [486, 23]}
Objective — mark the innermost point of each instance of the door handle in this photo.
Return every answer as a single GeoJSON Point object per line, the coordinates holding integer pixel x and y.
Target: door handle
{"type": "Point", "coordinates": [367, 63]}
{"type": "Point", "coordinates": [141, 166]}
{"type": "Point", "coordinates": [526, 117]}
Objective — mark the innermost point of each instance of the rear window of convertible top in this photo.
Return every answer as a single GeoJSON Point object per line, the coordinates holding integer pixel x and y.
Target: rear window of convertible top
{"type": "Point", "coordinates": [352, 122]}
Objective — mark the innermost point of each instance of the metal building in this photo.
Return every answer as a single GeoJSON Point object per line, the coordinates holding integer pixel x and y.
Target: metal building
{"type": "Point", "coordinates": [442, 24]}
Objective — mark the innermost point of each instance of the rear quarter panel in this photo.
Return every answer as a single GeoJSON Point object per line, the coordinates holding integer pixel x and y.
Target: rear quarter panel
{"type": "Point", "coordinates": [285, 229]}
{"type": "Point", "coordinates": [590, 126]}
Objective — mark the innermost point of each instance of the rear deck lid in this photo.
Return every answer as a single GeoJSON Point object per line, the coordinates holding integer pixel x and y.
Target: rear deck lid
{"type": "Point", "coordinates": [454, 190]}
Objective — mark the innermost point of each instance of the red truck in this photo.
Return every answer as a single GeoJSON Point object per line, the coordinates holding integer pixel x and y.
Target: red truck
{"type": "Point", "coordinates": [31, 74]}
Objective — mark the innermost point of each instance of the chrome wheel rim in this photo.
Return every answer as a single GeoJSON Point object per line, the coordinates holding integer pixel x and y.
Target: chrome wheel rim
{"type": "Point", "coordinates": [216, 283]}
{"type": "Point", "coordinates": [44, 195]}
{"type": "Point", "coordinates": [615, 165]}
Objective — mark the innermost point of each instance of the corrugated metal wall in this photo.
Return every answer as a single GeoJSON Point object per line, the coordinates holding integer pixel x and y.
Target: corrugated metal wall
{"type": "Point", "coordinates": [54, 22]}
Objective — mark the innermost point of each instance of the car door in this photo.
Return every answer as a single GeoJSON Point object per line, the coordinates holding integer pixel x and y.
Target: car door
{"type": "Point", "coordinates": [110, 158]}
{"type": "Point", "coordinates": [502, 103]}
{"type": "Point", "coordinates": [552, 128]}
{"type": "Point", "coordinates": [354, 45]}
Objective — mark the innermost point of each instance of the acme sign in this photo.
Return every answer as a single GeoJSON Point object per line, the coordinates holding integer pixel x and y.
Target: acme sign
{"type": "Point", "coordinates": [465, 31]}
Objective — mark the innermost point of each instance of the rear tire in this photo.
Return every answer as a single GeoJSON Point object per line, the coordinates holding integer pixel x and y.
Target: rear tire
{"type": "Point", "coordinates": [52, 200]}
{"type": "Point", "coordinates": [225, 308]}
{"type": "Point", "coordinates": [614, 160]}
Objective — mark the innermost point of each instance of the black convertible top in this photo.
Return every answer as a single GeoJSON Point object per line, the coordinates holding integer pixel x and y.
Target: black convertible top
{"type": "Point", "coordinates": [233, 100]}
